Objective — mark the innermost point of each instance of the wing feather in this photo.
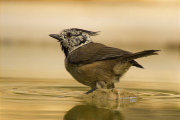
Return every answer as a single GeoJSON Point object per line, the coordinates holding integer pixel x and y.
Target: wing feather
{"type": "Point", "coordinates": [92, 52]}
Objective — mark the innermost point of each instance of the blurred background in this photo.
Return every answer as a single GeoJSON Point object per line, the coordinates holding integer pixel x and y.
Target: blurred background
{"type": "Point", "coordinates": [32, 63]}
{"type": "Point", "coordinates": [133, 25]}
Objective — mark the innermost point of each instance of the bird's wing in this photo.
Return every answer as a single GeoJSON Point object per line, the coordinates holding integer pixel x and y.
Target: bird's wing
{"type": "Point", "coordinates": [92, 52]}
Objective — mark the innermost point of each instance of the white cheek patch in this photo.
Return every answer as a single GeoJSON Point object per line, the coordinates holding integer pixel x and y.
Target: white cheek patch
{"type": "Point", "coordinates": [75, 42]}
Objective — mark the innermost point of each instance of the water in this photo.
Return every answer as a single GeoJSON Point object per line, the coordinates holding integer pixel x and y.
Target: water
{"type": "Point", "coordinates": [33, 99]}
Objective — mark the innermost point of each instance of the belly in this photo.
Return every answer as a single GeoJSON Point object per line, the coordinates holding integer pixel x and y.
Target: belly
{"type": "Point", "coordinates": [89, 74]}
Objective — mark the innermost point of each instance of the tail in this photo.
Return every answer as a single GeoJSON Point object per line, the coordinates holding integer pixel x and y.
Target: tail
{"type": "Point", "coordinates": [140, 54]}
{"type": "Point", "coordinates": [136, 64]}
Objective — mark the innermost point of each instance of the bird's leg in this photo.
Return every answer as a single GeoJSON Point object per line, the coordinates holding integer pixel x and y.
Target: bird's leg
{"type": "Point", "coordinates": [99, 84]}
{"type": "Point", "coordinates": [90, 91]}
{"type": "Point", "coordinates": [109, 86]}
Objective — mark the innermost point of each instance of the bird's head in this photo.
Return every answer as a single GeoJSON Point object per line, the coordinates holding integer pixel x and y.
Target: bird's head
{"type": "Point", "coordinates": [71, 39]}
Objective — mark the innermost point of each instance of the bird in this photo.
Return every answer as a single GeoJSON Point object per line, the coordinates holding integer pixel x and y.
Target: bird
{"type": "Point", "coordinates": [94, 64]}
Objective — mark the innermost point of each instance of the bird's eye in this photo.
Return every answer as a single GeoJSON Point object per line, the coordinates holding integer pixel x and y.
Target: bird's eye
{"type": "Point", "coordinates": [69, 34]}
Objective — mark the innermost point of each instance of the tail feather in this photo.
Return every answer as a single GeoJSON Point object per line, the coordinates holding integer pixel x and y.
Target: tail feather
{"type": "Point", "coordinates": [134, 63]}
{"type": "Point", "coordinates": [140, 54]}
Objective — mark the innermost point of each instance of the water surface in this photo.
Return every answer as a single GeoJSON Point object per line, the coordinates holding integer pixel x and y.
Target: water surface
{"type": "Point", "coordinates": [40, 99]}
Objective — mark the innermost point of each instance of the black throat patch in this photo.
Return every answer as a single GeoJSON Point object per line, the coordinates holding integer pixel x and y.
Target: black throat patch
{"type": "Point", "coordinates": [64, 49]}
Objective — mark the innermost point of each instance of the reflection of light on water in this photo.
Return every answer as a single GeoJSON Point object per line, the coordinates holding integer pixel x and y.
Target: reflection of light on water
{"type": "Point", "coordinates": [39, 98]}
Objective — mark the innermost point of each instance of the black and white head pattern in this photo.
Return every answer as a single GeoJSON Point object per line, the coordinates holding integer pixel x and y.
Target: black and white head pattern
{"type": "Point", "coordinates": [71, 39]}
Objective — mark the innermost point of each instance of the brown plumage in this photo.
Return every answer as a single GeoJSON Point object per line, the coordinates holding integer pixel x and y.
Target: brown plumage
{"type": "Point", "coordinates": [94, 64]}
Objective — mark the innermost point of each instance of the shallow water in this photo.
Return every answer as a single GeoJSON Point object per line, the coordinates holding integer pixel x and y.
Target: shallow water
{"type": "Point", "coordinates": [40, 99]}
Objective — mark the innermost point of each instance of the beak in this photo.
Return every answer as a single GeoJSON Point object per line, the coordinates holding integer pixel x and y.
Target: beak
{"type": "Point", "coordinates": [56, 36]}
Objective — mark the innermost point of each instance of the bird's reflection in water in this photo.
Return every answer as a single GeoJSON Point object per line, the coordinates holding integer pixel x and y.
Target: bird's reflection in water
{"type": "Point", "coordinates": [89, 112]}
{"type": "Point", "coordinates": [100, 109]}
